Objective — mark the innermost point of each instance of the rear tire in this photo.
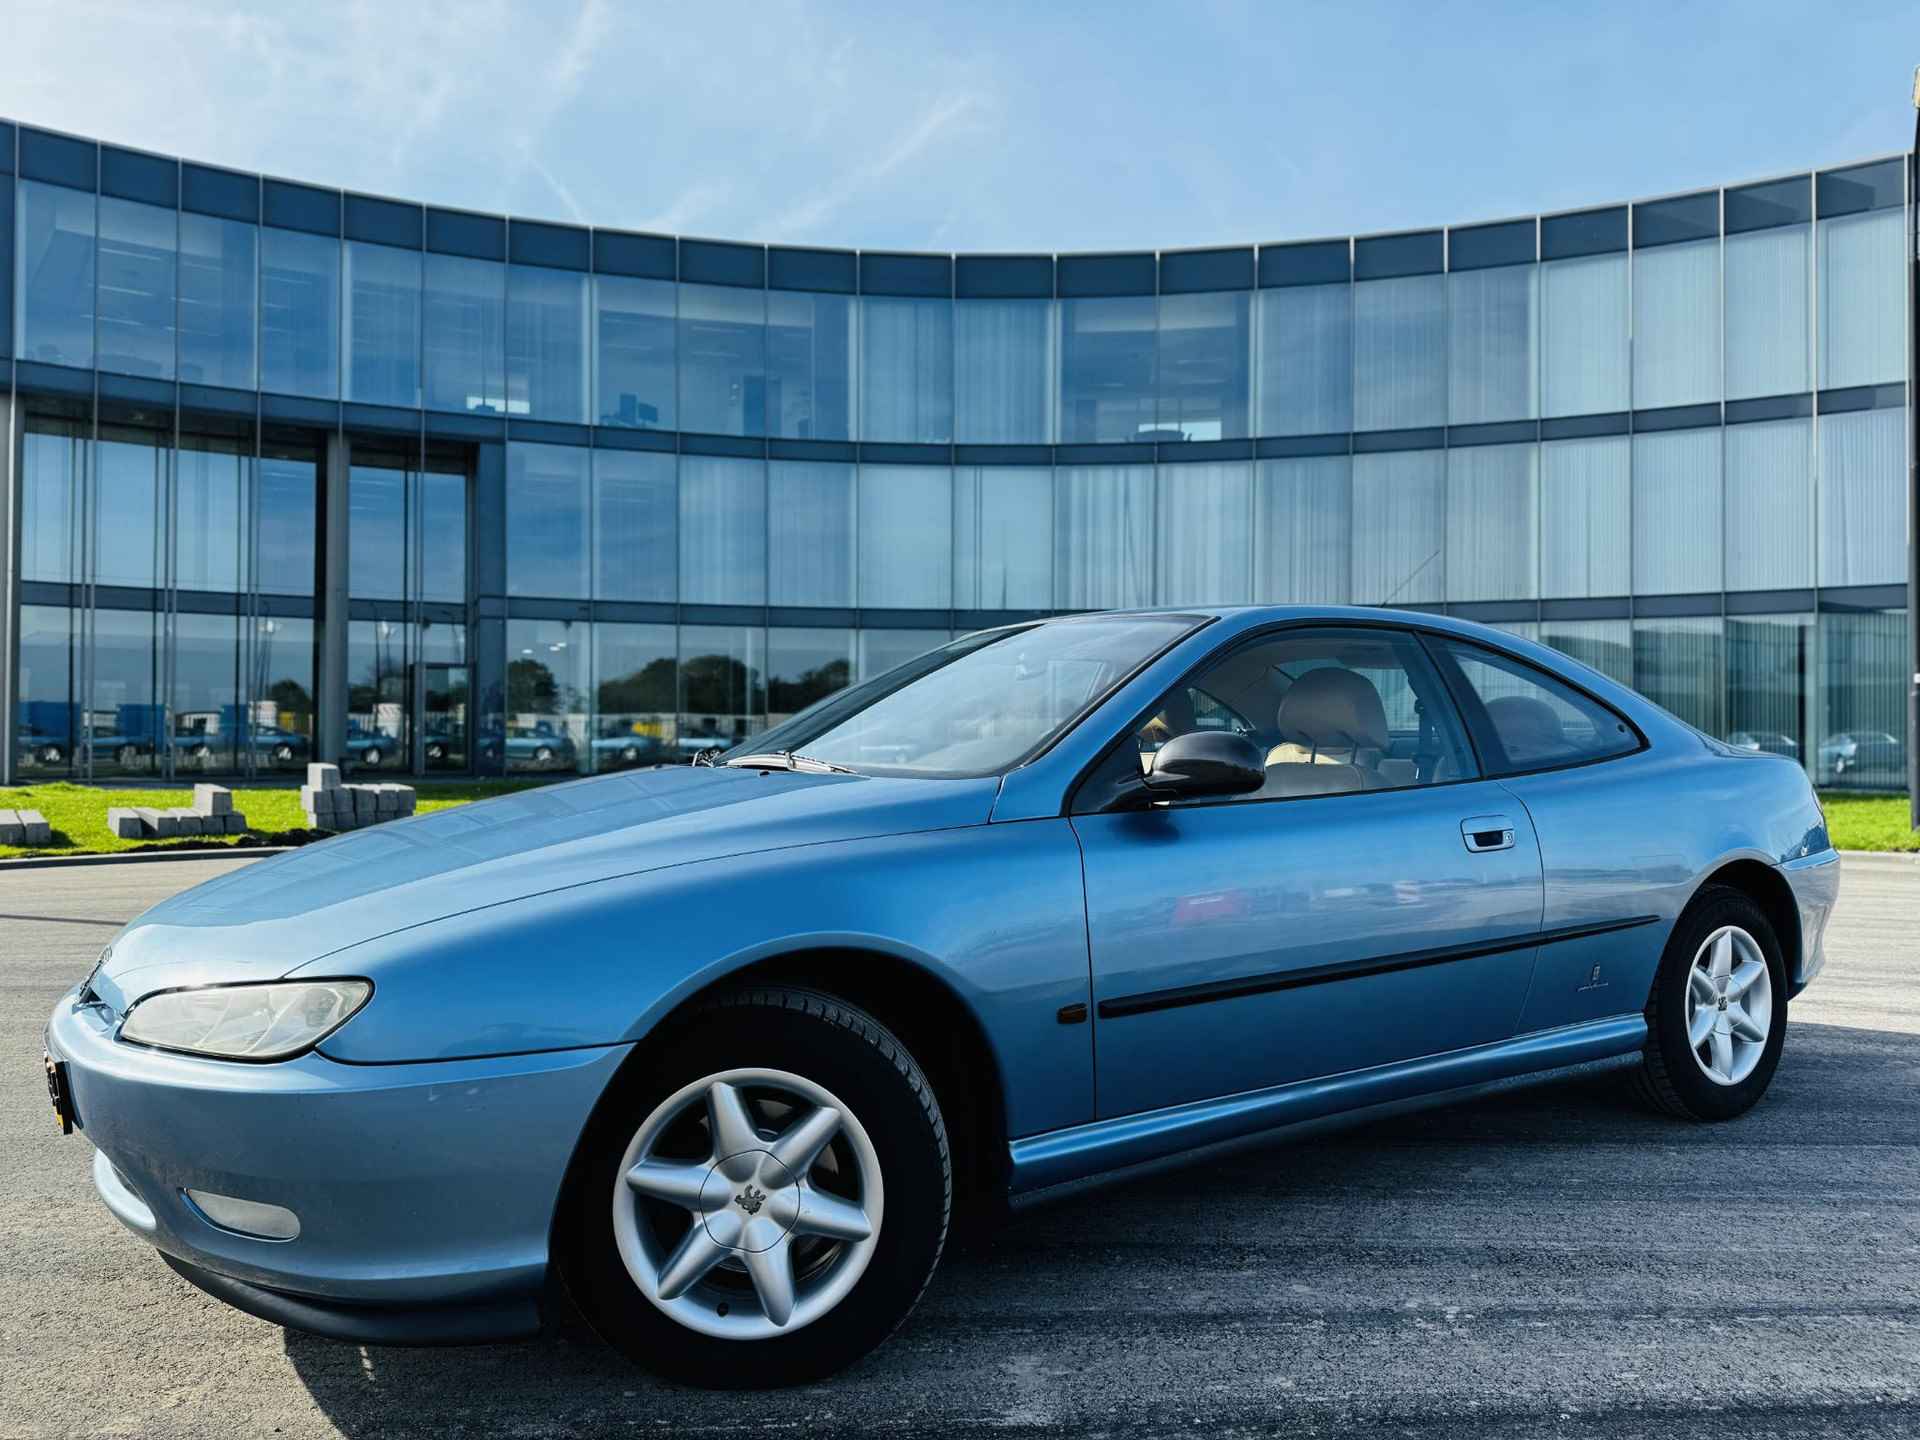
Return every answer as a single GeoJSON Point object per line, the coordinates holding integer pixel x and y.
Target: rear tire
{"type": "Point", "coordinates": [1679, 1078]}
{"type": "Point", "coordinates": [618, 1241]}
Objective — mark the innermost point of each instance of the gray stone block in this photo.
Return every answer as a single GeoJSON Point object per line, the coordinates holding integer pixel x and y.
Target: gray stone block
{"type": "Point", "coordinates": [387, 799]}
{"type": "Point", "coordinates": [323, 777]}
{"type": "Point", "coordinates": [158, 823]}
{"type": "Point", "coordinates": [366, 801]}
{"type": "Point", "coordinates": [212, 800]}
{"type": "Point", "coordinates": [185, 821]}
{"type": "Point", "coordinates": [322, 801]}
{"type": "Point", "coordinates": [125, 824]}
{"type": "Point", "coordinates": [236, 822]}
{"type": "Point", "coordinates": [39, 832]}
{"type": "Point", "coordinates": [12, 832]}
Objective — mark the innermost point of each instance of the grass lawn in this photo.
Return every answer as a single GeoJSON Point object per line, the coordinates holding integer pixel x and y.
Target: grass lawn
{"type": "Point", "coordinates": [1869, 822]}
{"type": "Point", "coordinates": [78, 813]}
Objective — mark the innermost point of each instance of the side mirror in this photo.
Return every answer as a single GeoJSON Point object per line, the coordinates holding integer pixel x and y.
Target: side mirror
{"type": "Point", "coordinates": [1206, 763]}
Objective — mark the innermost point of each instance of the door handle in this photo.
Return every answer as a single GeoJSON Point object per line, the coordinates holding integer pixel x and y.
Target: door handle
{"type": "Point", "coordinates": [1482, 833]}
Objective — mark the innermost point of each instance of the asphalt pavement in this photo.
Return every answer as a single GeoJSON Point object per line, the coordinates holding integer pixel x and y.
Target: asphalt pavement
{"type": "Point", "coordinates": [1555, 1262]}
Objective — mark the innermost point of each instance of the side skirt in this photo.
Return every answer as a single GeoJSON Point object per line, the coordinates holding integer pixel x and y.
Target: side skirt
{"type": "Point", "coordinates": [1044, 1166]}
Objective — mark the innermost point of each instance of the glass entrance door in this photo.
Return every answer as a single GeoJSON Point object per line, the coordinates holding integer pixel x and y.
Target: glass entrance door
{"type": "Point", "coordinates": [444, 742]}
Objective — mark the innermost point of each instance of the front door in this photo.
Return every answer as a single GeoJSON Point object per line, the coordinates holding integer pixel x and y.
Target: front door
{"type": "Point", "coordinates": [1373, 902]}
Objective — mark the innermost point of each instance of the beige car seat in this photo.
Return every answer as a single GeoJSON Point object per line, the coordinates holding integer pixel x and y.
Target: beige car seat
{"type": "Point", "coordinates": [1333, 731]}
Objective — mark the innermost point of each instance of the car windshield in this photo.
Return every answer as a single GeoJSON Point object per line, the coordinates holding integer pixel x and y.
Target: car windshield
{"type": "Point", "coordinates": [978, 706]}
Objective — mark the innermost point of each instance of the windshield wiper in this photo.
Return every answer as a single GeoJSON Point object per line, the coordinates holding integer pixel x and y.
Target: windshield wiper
{"type": "Point", "coordinates": [789, 760]}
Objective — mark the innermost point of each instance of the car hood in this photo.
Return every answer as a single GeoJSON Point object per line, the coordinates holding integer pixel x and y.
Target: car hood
{"type": "Point", "coordinates": [265, 919]}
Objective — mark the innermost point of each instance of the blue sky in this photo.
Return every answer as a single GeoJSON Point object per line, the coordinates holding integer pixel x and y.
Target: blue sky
{"type": "Point", "coordinates": [984, 126]}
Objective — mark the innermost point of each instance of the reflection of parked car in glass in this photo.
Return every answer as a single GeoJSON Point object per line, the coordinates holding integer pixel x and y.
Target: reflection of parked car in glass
{"type": "Point", "coordinates": [270, 742]}
{"type": "Point", "coordinates": [370, 747]}
{"type": "Point", "coordinates": [1864, 752]}
{"type": "Point", "coordinates": [1770, 742]}
{"type": "Point", "coordinates": [618, 745]}
{"type": "Point", "coordinates": [530, 747]}
{"type": "Point", "coordinates": [40, 747]}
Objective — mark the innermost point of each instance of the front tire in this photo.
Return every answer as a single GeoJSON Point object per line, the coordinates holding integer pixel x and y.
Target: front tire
{"type": "Point", "coordinates": [1717, 1018]}
{"type": "Point", "coordinates": [761, 1196]}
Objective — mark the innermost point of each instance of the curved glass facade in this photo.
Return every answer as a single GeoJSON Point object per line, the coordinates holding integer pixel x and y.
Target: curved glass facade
{"type": "Point", "coordinates": [299, 473]}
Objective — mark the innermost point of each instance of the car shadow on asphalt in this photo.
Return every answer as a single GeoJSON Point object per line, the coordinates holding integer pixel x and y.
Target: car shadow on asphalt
{"type": "Point", "coordinates": [569, 1382]}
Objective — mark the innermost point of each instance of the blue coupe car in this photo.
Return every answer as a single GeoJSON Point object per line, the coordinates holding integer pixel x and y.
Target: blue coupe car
{"type": "Point", "coordinates": [725, 1048]}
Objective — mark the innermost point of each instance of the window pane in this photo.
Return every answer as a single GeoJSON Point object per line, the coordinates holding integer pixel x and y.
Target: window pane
{"type": "Point", "coordinates": [547, 520]}
{"type": "Point", "coordinates": [633, 346]}
{"type": "Point", "coordinates": [1676, 324]}
{"type": "Point", "coordinates": [906, 537]}
{"type": "Point", "coordinates": [1002, 538]}
{"type": "Point", "coordinates": [723, 531]}
{"type": "Point", "coordinates": [636, 517]}
{"type": "Point", "coordinates": [288, 525]}
{"type": "Point", "coordinates": [723, 693]}
{"type": "Point", "coordinates": [1205, 534]}
{"type": "Point", "coordinates": [1303, 530]}
{"type": "Point", "coordinates": [1206, 363]}
{"type": "Point", "coordinates": [1676, 512]}
{"type": "Point", "coordinates": [1400, 353]}
{"type": "Point", "coordinates": [1862, 701]}
{"type": "Point", "coordinates": [1606, 645]}
{"type": "Point", "coordinates": [54, 289]}
{"type": "Point", "coordinates": [466, 309]}
{"type": "Point", "coordinates": [1862, 495]}
{"type": "Point", "coordinates": [1107, 354]}
{"type": "Point", "coordinates": [1583, 335]}
{"type": "Point", "coordinates": [1103, 536]}
{"type": "Point", "coordinates": [810, 365]}
{"type": "Point", "coordinates": [1306, 360]}
{"type": "Point", "coordinates": [906, 369]}
{"type": "Point", "coordinates": [1586, 517]}
{"type": "Point", "coordinates": [443, 536]}
{"type": "Point", "coordinates": [804, 666]}
{"type": "Point", "coordinates": [1769, 665]}
{"type": "Point", "coordinates": [282, 704]}
{"type": "Point", "coordinates": [206, 694]}
{"type": "Point", "coordinates": [1769, 505]}
{"type": "Point", "coordinates": [376, 533]}
{"type": "Point", "coordinates": [126, 510]}
{"type": "Point", "coordinates": [216, 301]}
{"type": "Point", "coordinates": [884, 650]}
{"type": "Point", "coordinates": [1492, 330]}
{"type": "Point", "coordinates": [546, 343]}
{"type": "Point", "coordinates": [723, 342]}
{"type": "Point", "coordinates": [1538, 722]}
{"type": "Point", "coordinates": [138, 248]}
{"type": "Point", "coordinates": [1767, 312]}
{"type": "Point", "coordinates": [1677, 663]}
{"type": "Point", "coordinates": [383, 325]}
{"type": "Point", "coordinates": [1399, 507]}
{"type": "Point", "coordinates": [1491, 523]}
{"type": "Point", "coordinates": [48, 722]}
{"type": "Point", "coordinates": [52, 480]}
{"type": "Point", "coordinates": [299, 314]}
{"type": "Point", "coordinates": [546, 725]}
{"type": "Point", "coordinates": [124, 711]}
{"type": "Point", "coordinates": [1863, 330]}
{"type": "Point", "coordinates": [208, 543]}
{"type": "Point", "coordinates": [1003, 372]}
{"type": "Point", "coordinates": [636, 678]}
{"type": "Point", "coordinates": [1333, 711]}
{"type": "Point", "coordinates": [810, 541]}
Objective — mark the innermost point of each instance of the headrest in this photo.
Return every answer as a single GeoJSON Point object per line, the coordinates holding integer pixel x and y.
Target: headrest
{"type": "Point", "coordinates": [1333, 709]}
{"type": "Point", "coordinates": [1527, 727]}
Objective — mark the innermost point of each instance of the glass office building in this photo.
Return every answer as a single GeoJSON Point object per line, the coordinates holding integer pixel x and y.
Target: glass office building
{"type": "Point", "coordinates": [300, 473]}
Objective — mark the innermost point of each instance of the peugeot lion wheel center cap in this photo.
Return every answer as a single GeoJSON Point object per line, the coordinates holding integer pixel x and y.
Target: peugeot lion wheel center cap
{"type": "Point", "coordinates": [749, 1202]}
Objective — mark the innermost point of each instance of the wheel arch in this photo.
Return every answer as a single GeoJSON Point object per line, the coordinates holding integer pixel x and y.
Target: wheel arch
{"type": "Point", "coordinates": [1768, 888]}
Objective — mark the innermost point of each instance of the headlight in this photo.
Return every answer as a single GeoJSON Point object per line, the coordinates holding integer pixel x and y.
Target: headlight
{"type": "Point", "coordinates": [245, 1022]}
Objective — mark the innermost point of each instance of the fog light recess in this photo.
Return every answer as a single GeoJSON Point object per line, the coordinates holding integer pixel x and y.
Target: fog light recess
{"type": "Point", "coordinates": [251, 1218]}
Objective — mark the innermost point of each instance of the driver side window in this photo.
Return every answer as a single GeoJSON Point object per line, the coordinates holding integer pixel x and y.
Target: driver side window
{"type": "Point", "coordinates": [1333, 711]}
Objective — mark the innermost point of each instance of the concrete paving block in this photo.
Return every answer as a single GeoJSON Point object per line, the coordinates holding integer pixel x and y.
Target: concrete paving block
{"type": "Point", "coordinates": [185, 821]}
{"type": "Point", "coordinates": [366, 801]}
{"type": "Point", "coordinates": [322, 801]}
{"type": "Point", "coordinates": [323, 777]}
{"type": "Point", "coordinates": [39, 832]}
{"type": "Point", "coordinates": [236, 822]}
{"type": "Point", "coordinates": [387, 799]}
{"type": "Point", "coordinates": [212, 800]}
{"type": "Point", "coordinates": [12, 832]}
{"type": "Point", "coordinates": [157, 822]}
{"type": "Point", "coordinates": [125, 824]}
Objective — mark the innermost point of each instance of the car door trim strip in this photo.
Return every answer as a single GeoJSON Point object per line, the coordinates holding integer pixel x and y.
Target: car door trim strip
{"type": "Point", "coordinates": [1211, 990]}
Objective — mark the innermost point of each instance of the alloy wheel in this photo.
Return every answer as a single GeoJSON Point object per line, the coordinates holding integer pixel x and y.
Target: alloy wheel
{"type": "Point", "coordinates": [1729, 1005]}
{"type": "Point", "coordinates": [748, 1204]}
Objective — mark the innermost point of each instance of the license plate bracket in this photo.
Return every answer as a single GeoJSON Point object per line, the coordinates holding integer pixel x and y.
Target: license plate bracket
{"type": "Point", "coordinates": [60, 1092]}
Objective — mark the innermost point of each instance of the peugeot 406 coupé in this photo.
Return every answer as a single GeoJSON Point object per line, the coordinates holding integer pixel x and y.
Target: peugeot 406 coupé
{"type": "Point", "coordinates": [723, 1046]}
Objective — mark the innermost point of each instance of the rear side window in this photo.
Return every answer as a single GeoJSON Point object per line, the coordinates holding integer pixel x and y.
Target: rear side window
{"type": "Point", "coordinates": [1538, 722]}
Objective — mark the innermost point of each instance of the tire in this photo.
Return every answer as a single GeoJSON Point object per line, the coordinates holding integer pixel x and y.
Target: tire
{"type": "Point", "coordinates": [543, 755]}
{"type": "Point", "coordinates": [125, 756]}
{"type": "Point", "coordinates": [1677, 1080]}
{"type": "Point", "coordinates": [372, 758]}
{"type": "Point", "coordinates": [852, 1291]}
{"type": "Point", "coordinates": [283, 753]}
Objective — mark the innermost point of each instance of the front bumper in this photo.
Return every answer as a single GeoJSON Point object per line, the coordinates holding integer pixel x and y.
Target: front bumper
{"type": "Point", "coordinates": [425, 1191]}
